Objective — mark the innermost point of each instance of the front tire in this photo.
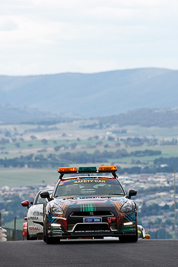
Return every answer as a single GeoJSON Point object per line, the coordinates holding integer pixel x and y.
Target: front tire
{"type": "Point", "coordinates": [46, 238]}
{"type": "Point", "coordinates": [129, 238]}
{"type": "Point", "coordinates": [29, 237]}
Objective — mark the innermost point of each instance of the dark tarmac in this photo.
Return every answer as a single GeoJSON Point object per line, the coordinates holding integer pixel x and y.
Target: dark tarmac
{"type": "Point", "coordinates": [153, 253]}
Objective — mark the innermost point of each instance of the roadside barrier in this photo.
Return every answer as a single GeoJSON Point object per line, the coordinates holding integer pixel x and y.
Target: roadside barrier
{"type": "Point", "coordinates": [13, 235]}
{"type": "Point", "coordinates": [3, 234]}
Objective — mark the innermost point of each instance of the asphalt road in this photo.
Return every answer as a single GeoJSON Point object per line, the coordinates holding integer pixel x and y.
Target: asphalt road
{"type": "Point", "coordinates": [152, 253]}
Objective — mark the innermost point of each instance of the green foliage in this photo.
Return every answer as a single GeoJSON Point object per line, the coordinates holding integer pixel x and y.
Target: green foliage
{"type": "Point", "coordinates": [143, 153]}
{"type": "Point", "coordinates": [154, 209]}
{"type": "Point", "coordinates": [4, 141]}
{"type": "Point", "coordinates": [160, 234]}
{"type": "Point", "coordinates": [13, 207]}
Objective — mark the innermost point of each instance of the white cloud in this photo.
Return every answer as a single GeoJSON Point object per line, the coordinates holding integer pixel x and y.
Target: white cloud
{"type": "Point", "coordinates": [7, 24]}
{"type": "Point", "coordinates": [86, 35]}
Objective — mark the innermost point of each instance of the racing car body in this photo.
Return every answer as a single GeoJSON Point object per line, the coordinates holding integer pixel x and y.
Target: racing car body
{"type": "Point", "coordinates": [90, 205]}
{"type": "Point", "coordinates": [34, 222]}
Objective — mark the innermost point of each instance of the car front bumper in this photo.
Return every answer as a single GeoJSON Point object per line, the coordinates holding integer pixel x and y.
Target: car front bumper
{"type": "Point", "coordinates": [78, 229]}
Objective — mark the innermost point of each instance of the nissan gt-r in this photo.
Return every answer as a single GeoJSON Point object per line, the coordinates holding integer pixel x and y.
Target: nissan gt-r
{"type": "Point", "coordinates": [89, 203]}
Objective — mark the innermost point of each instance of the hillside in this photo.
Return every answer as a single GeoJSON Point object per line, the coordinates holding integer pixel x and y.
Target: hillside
{"type": "Point", "coordinates": [144, 117]}
{"type": "Point", "coordinates": [92, 95]}
{"type": "Point", "coordinates": [10, 114]}
{"type": "Point", "coordinates": [140, 117]}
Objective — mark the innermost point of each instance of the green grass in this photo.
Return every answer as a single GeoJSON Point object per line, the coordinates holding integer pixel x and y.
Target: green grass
{"type": "Point", "coordinates": [7, 176]}
{"type": "Point", "coordinates": [24, 149]}
{"type": "Point", "coordinates": [27, 177]}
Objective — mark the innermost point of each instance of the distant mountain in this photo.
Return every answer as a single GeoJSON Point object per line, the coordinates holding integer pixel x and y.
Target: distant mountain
{"type": "Point", "coordinates": [92, 95]}
{"type": "Point", "coordinates": [141, 117]}
{"type": "Point", "coordinates": [144, 117]}
{"type": "Point", "coordinates": [9, 114]}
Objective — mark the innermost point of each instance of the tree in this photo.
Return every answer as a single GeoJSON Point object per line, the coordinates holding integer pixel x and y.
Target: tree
{"type": "Point", "coordinates": [17, 145]}
{"type": "Point", "coordinates": [160, 234]}
{"type": "Point", "coordinates": [33, 137]}
{"type": "Point", "coordinates": [44, 141]}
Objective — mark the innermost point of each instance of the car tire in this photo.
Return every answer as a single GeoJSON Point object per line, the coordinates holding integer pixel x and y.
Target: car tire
{"type": "Point", "coordinates": [28, 236]}
{"type": "Point", "coordinates": [129, 238]}
{"type": "Point", "coordinates": [51, 240]}
{"type": "Point", "coordinates": [46, 238]}
{"type": "Point", "coordinates": [44, 231]}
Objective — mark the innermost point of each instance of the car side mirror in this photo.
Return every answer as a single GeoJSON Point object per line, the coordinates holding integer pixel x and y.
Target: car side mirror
{"type": "Point", "coordinates": [45, 195]}
{"type": "Point", "coordinates": [132, 193]}
{"type": "Point", "coordinates": [25, 203]}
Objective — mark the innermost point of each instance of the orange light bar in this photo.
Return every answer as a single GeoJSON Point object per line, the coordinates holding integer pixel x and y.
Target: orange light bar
{"type": "Point", "coordinates": [67, 170]}
{"type": "Point", "coordinates": [107, 169]}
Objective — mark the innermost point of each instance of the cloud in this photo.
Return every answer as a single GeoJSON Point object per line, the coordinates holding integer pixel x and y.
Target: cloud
{"type": "Point", "coordinates": [96, 34]}
{"type": "Point", "coordinates": [7, 24]}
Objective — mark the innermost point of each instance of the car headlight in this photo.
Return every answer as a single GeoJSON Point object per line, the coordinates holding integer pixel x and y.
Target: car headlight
{"type": "Point", "coordinates": [127, 207]}
{"type": "Point", "coordinates": [56, 210]}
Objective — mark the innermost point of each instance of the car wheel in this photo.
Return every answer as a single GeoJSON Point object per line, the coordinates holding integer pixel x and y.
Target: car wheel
{"type": "Point", "coordinates": [51, 240]}
{"type": "Point", "coordinates": [44, 232]}
{"type": "Point", "coordinates": [46, 238]}
{"type": "Point", "coordinates": [28, 236]}
{"type": "Point", "coordinates": [129, 238]}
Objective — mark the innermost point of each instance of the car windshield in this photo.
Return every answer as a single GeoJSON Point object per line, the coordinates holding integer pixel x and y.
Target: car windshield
{"type": "Point", "coordinates": [89, 186]}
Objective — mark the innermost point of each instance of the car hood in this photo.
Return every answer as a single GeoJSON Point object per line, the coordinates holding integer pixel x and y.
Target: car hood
{"type": "Point", "coordinates": [90, 204]}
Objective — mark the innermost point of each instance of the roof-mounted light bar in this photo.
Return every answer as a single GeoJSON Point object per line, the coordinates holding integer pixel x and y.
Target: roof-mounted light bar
{"type": "Point", "coordinates": [107, 169]}
{"type": "Point", "coordinates": [104, 169]}
{"type": "Point", "coordinates": [87, 169]}
{"type": "Point", "coordinates": [67, 170]}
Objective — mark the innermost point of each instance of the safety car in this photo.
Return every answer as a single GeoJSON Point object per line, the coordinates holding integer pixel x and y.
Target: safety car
{"type": "Point", "coordinates": [86, 203]}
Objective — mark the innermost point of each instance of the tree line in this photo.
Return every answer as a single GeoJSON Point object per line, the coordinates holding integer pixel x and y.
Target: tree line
{"type": "Point", "coordinates": [77, 157]}
{"type": "Point", "coordinates": [65, 159]}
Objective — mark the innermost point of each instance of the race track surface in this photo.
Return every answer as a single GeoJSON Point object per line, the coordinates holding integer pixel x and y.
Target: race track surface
{"type": "Point", "coordinates": [152, 253]}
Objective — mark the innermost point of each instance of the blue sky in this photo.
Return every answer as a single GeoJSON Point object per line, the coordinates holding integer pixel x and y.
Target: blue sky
{"type": "Point", "coordinates": [54, 36]}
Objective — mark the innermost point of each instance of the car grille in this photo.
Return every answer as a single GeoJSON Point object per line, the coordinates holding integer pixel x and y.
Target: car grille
{"type": "Point", "coordinates": [94, 213]}
{"type": "Point", "coordinates": [91, 227]}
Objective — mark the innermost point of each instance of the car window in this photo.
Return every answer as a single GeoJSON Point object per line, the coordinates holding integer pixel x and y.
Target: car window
{"type": "Point", "coordinates": [85, 187]}
{"type": "Point", "coordinates": [40, 200]}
